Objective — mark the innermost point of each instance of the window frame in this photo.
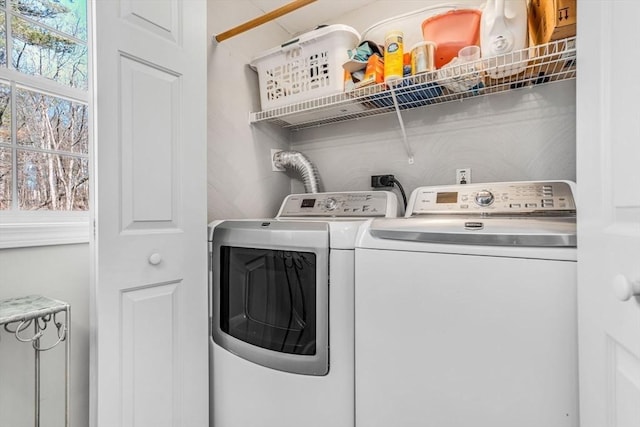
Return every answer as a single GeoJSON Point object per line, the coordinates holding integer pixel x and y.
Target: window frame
{"type": "Point", "coordinates": [23, 228]}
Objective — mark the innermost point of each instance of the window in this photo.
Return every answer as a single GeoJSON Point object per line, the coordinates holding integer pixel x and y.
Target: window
{"type": "Point", "coordinates": [44, 106]}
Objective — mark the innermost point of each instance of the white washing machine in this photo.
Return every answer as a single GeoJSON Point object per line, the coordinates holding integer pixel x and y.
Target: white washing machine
{"type": "Point", "coordinates": [466, 309]}
{"type": "Point", "coordinates": [281, 342]}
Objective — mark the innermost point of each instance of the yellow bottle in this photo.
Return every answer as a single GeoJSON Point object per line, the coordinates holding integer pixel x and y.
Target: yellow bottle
{"type": "Point", "coordinates": [393, 56]}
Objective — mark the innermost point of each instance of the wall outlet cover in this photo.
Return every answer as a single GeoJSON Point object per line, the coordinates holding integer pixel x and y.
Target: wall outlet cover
{"type": "Point", "coordinates": [463, 176]}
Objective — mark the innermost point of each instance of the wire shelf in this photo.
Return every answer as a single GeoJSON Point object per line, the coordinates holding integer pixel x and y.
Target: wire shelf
{"type": "Point", "coordinates": [538, 65]}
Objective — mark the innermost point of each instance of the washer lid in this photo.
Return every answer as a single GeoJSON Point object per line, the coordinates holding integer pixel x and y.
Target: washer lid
{"type": "Point", "coordinates": [475, 230]}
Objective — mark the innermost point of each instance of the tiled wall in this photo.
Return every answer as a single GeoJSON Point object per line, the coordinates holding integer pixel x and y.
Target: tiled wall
{"type": "Point", "coordinates": [240, 181]}
{"type": "Point", "coordinates": [523, 135]}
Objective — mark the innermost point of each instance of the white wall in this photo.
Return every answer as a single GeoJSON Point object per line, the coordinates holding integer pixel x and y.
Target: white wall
{"type": "Point", "coordinates": [240, 181]}
{"type": "Point", "coordinates": [59, 272]}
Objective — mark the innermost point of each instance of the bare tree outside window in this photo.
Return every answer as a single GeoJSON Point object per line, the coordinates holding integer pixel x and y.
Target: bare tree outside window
{"type": "Point", "coordinates": [43, 130]}
{"type": "Point", "coordinates": [50, 180]}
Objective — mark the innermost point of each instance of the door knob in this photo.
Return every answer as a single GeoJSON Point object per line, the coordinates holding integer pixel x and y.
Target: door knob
{"type": "Point", "coordinates": [154, 259]}
{"type": "Point", "coordinates": [624, 288]}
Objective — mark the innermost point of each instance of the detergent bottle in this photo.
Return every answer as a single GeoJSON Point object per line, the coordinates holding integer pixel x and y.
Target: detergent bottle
{"type": "Point", "coordinates": [393, 56]}
{"type": "Point", "coordinates": [503, 34]}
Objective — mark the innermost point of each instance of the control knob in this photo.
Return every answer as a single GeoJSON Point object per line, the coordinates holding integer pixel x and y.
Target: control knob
{"type": "Point", "coordinates": [331, 204]}
{"type": "Point", "coordinates": [484, 198]}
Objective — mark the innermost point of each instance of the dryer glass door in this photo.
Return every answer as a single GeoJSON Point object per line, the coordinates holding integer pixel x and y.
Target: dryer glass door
{"type": "Point", "coordinates": [270, 293]}
{"type": "Point", "coordinates": [267, 298]}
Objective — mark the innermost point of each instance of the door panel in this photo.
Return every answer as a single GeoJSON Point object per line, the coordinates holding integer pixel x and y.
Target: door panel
{"type": "Point", "coordinates": [621, 143]}
{"type": "Point", "coordinates": [158, 17]}
{"type": "Point", "coordinates": [149, 350]}
{"type": "Point", "coordinates": [608, 130]}
{"type": "Point", "coordinates": [149, 398]}
{"type": "Point", "coordinates": [150, 100]}
{"type": "Point", "coordinates": [624, 391]}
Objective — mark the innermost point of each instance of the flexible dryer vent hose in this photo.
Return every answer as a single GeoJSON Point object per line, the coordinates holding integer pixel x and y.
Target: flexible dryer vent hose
{"type": "Point", "coordinates": [302, 165]}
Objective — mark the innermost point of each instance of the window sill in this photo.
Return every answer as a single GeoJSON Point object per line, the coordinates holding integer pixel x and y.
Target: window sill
{"type": "Point", "coordinates": [27, 229]}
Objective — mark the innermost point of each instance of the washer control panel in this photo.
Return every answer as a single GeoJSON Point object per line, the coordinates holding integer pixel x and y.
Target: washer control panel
{"type": "Point", "coordinates": [507, 198]}
{"type": "Point", "coordinates": [347, 204]}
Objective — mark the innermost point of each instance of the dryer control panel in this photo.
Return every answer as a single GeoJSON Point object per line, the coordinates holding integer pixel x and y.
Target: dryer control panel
{"type": "Point", "coordinates": [342, 204]}
{"type": "Point", "coordinates": [499, 198]}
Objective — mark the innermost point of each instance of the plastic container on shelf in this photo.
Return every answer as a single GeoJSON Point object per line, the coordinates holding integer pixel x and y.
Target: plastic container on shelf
{"type": "Point", "coordinates": [409, 23]}
{"type": "Point", "coordinates": [423, 55]}
{"type": "Point", "coordinates": [307, 67]}
{"type": "Point", "coordinates": [410, 92]}
{"type": "Point", "coordinates": [451, 31]}
{"type": "Point", "coordinates": [464, 72]}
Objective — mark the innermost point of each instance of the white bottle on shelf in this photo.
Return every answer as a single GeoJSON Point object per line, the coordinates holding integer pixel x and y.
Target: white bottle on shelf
{"type": "Point", "coordinates": [503, 37]}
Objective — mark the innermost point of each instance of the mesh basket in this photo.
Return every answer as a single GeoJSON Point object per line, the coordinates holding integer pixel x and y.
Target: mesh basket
{"type": "Point", "coordinates": [307, 67]}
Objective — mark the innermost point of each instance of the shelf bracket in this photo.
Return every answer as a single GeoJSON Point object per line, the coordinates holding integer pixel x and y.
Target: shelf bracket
{"type": "Point", "coordinates": [405, 140]}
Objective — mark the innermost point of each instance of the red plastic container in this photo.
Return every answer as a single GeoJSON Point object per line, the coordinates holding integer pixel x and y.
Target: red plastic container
{"type": "Point", "coordinates": [452, 31]}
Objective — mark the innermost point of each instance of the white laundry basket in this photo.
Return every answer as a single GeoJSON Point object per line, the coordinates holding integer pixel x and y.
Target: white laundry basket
{"type": "Point", "coordinates": [307, 67]}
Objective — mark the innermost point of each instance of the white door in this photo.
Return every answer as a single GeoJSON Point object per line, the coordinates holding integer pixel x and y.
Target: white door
{"type": "Point", "coordinates": [149, 346]}
{"type": "Point", "coordinates": [608, 154]}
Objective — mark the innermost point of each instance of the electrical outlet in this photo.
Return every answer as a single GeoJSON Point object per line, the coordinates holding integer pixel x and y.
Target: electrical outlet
{"type": "Point", "coordinates": [381, 181]}
{"type": "Point", "coordinates": [463, 176]}
{"type": "Point", "coordinates": [273, 164]}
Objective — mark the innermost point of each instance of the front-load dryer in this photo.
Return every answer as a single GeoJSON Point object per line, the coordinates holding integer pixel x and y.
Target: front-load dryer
{"type": "Point", "coordinates": [282, 326]}
{"type": "Point", "coordinates": [466, 309]}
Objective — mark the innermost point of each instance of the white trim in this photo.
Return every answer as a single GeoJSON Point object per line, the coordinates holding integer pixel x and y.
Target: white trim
{"type": "Point", "coordinates": [35, 22]}
{"type": "Point", "coordinates": [43, 85]}
{"type": "Point", "coordinates": [25, 229]}
{"type": "Point", "coordinates": [39, 83]}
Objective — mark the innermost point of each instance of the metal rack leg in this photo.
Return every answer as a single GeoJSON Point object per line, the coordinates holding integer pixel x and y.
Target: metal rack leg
{"type": "Point", "coordinates": [67, 350]}
{"type": "Point", "coordinates": [37, 375]}
{"type": "Point", "coordinates": [40, 310]}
